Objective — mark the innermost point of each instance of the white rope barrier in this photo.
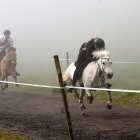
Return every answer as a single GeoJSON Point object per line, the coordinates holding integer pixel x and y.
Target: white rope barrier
{"type": "Point", "coordinates": [127, 62]}
{"type": "Point", "coordinates": [102, 89]}
{"type": "Point", "coordinates": [34, 85]}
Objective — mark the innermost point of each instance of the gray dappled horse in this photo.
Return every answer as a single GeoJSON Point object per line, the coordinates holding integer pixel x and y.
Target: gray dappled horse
{"type": "Point", "coordinates": [94, 76]}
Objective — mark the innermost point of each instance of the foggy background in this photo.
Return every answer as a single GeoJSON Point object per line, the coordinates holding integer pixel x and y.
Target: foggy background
{"type": "Point", "coordinates": [44, 28]}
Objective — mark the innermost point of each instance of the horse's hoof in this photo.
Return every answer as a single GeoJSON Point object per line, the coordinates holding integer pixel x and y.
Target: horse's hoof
{"type": "Point", "coordinates": [82, 114]}
{"type": "Point", "coordinates": [2, 88]}
{"type": "Point", "coordinates": [83, 106]}
{"type": "Point", "coordinates": [17, 85]}
{"type": "Point", "coordinates": [90, 99]}
{"type": "Point", "coordinates": [109, 106]}
{"type": "Point", "coordinates": [2, 92]}
{"type": "Point", "coordinates": [6, 85]}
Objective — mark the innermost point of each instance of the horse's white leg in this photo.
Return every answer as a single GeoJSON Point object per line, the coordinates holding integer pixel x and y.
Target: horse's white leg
{"type": "Point", "coordinates": [109, 103]}
{"type": "Point", "coordinates": [82, 106]}
{"type": "Point", "coordinates": [89, 97]}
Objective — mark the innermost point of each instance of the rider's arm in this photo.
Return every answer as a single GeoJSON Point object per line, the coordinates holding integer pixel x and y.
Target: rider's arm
{"type": "Point", "coordinates": [3, 43]}
{"type": "Point", "coordinates": [90, 49]}
{"type": "Point", "coordinates": [83, 47]}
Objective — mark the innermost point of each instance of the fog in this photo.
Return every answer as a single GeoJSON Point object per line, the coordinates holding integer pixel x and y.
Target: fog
{"type": "Point", "coordinates": [44, 28]}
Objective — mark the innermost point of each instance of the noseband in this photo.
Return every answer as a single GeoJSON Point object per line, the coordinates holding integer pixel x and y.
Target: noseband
{"type": "Point", "coordinates": [10, 61]}
{"type": "Point", "coordinates": [102, 68]}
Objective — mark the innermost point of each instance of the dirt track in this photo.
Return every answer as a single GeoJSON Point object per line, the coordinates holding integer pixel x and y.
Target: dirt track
{"type": "Point", "coordinates": [41, 117]}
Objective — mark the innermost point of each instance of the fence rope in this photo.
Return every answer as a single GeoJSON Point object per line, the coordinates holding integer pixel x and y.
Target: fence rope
{"type": "Point", "coordinates": [34, 85]}
{"type": "Point", "coordinates": [63, 59]}
{"type": "Point", "coordinates": [102, 89]}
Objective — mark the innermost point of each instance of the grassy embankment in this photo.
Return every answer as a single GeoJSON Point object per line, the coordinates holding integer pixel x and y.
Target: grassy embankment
{"type": "Point", "coordinates": [7, 136]}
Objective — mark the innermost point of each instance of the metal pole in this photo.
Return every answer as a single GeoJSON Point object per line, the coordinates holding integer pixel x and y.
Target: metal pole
{"type": "Point", "coordinates": [67, 57]}
{"type": "Point", "coordinates": [64, 97]}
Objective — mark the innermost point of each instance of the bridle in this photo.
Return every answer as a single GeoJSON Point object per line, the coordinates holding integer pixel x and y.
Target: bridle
{"type": "Point", "coordinates": [102, 68]}
{"type": "Point", "coordinates": [102, 65]}
{"type": "Point", "coordinates": [10, 62]}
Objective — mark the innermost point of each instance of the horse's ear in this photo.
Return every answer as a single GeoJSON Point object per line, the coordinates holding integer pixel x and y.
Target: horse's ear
{"type": "Point", "coordinates": [93, 39]}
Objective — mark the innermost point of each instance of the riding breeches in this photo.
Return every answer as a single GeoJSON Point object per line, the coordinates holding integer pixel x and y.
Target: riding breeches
{"type": "Point", "coordinates": [81, 58]}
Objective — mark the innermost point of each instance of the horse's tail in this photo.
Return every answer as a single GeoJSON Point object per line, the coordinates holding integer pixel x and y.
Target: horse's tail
{"type": "Point", "coordinates": [64, 77]}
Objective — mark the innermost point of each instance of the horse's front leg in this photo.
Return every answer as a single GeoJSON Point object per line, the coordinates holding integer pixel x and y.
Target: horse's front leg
{"type": "Point", "coordinates": [89, 97]}
{"type": "Point", "coordinates": [2, 88]}
{"type": "Point", "coordinates": [109, 103]}
{"type": "Point", "coordinates": [15, 78]}
{"type": "Point", "coordinates": [6, 84]}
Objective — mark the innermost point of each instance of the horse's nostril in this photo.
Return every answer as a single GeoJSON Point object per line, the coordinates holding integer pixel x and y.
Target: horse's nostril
{"type": "Point", "coordinates": [14, 64]}
{"type": "Point", "coordinates": [110, 75]}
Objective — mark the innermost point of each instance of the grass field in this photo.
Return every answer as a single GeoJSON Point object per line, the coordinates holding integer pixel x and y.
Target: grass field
{"type": "Point", "coordinates": [7, 136]}
{"type": "Point", "coordinates": [126, 76]}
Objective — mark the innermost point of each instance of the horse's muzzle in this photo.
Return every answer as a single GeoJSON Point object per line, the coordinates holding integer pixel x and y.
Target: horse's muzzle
{"type": "Point", "coordinates": [109, 75]}
{"type": "Point", "coordinates": [14, 64]}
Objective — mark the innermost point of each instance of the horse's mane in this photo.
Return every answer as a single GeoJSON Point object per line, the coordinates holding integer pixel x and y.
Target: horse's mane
{"type": "Point", "coordinates": [10, 49]}
{"type": "Point", "coordinates": [99, 54]}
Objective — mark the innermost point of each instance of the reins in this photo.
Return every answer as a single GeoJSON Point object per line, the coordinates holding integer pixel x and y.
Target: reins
{"type": "Point", "coordinates": [102, 69]}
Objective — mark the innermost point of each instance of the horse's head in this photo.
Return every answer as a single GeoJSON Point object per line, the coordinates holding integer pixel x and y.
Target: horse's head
{"type": "Point", "coordinates": [104, 61]}
{"type": "Point", "coordinates": [11, 55]}
{"type": "Point", "coordinates": [6, 46]}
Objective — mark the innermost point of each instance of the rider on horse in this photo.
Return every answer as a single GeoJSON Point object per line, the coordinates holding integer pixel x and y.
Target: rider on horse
{"type": "Point", "coordinates": [85, 57]}
{"type": "Point", "coordinates": [6, 38]}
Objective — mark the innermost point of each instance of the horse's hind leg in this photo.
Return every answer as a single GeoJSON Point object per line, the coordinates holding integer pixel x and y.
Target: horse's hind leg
{"type": "Point", "coordinates": [77, 96]}
{"type": "Point", "coordinates": [82, 106]}
{"type": "Point", "coordinates": [89, 97]}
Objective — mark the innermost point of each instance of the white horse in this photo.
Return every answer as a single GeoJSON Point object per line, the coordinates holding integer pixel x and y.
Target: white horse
{"type": "Point", "coordinates": [94, 76]}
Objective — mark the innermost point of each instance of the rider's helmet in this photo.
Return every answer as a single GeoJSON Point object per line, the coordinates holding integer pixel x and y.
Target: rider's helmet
{"type": "Point", "coordinates": [99, 43]}
{"type": "Point", "coordinates": [7, 32]}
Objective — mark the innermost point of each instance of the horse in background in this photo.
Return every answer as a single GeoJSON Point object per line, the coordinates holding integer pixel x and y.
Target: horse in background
{"type": "Point", "coordinates": [8, 65]}
{"type": "Point", "coordinates": [94, 76]}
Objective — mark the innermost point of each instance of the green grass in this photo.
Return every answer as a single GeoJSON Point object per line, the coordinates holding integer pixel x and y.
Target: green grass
{"type": "Point", "coordinates": [121, 98]}
{"type": "Point", "coordinates": [7, 136]}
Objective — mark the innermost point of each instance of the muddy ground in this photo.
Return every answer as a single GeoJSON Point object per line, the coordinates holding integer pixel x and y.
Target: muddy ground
{"type": "Point", "coordinates": [41, 117]}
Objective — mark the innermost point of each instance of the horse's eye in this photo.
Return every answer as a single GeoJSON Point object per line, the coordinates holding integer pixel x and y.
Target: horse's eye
{"type": "Point", "coordinates": [103, 63]}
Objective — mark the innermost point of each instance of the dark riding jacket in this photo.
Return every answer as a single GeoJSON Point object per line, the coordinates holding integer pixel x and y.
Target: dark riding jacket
{"type": "Point", "coordinates": [87, 49]}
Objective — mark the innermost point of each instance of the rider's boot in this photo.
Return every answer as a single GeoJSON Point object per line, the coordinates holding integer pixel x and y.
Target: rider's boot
{"type": "Point", "coordinates": [17, 74]}
{"type": "Point", "coordinates": [70, 89]}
